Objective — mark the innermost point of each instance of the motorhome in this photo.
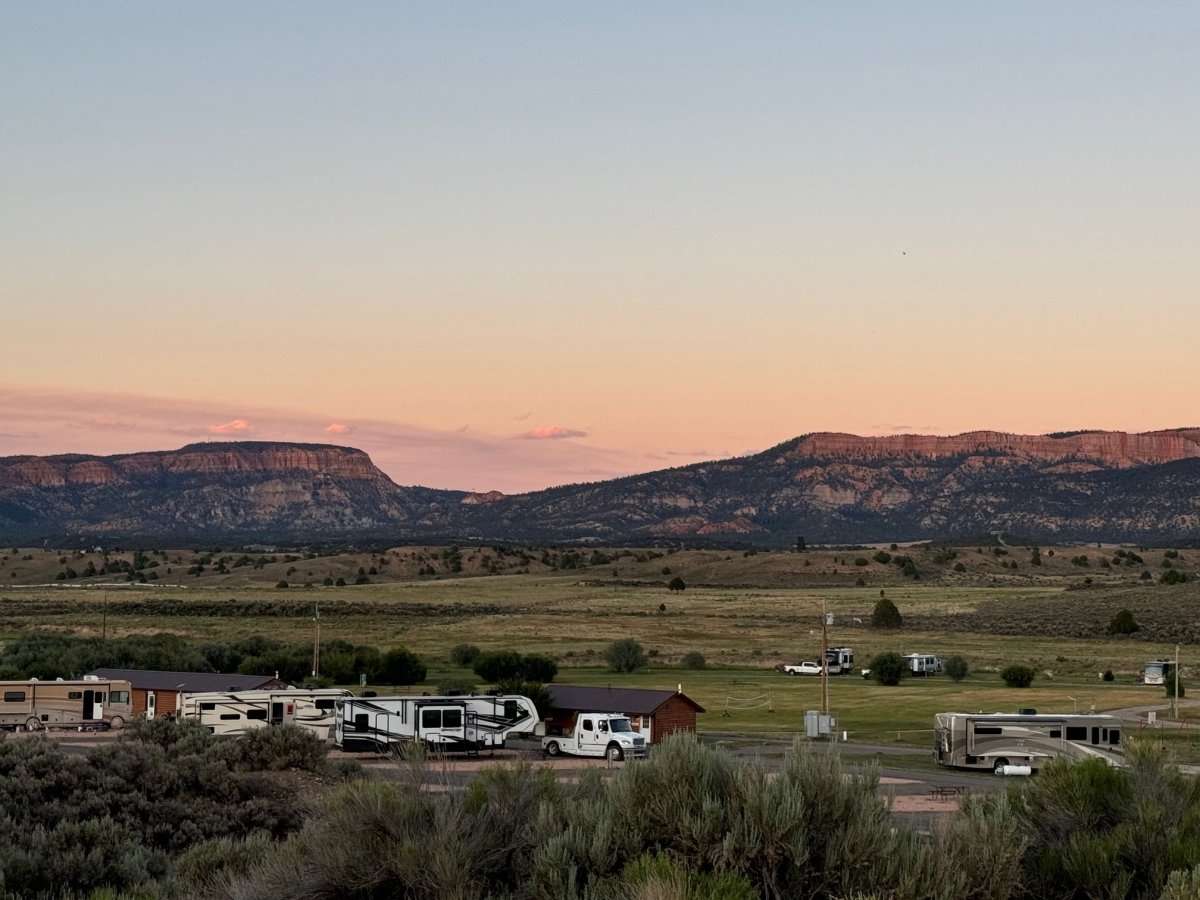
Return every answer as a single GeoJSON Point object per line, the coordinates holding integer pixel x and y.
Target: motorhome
{"type": "Point", "coordinates": [89, 702]}
{"type": "Point", "coordinates": [923, 664]}
{"type": "Point", "coordinates": [598, 734]}
{"type": "Point", "coordinates": [236, 712]}
{"type": "Point", "coordinates": [839, 660]}
{"type": "Point", "coordinates": [997, 740]}
{"type": "Point", "coordinates": [463, 724]}
{"type": "Point", "coordinates": [1159, 671]}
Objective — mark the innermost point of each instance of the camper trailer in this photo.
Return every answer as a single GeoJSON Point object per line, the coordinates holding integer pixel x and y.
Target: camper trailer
{"type": "Point", "coordinates": [923, 664]}
{"type": "Point", "coordinates": [236, 712]}
{"type": "Point", "coordinates": [462, 724]}
{"type": "Point", "coordinates": [1159, 671]}
{"type": "Point", "coordinates": [839, 660]}
{"type": "Point", "coordinates": [997, 740]}
{"type": "Point", "coordinates": [90, 702]}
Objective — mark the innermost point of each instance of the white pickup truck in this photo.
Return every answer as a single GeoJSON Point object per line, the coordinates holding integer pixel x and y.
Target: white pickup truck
{"type": "Point", "coordinates": [598, 734]}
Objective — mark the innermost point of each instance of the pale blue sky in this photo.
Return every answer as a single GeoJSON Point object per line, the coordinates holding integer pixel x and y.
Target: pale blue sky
{"type": "Point", "coordinates": [621, 219]}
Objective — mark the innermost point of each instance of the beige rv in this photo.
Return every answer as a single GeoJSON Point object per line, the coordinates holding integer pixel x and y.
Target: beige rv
{"type": "Point", "coordinates": [236, 712]}
{"type": "Point", "coordinates": [91, 702]}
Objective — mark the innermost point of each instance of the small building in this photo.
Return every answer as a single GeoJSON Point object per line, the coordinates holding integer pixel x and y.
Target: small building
{"type": "Point", "coordinates": [156, 693]}
{"type": "Point", "coordinates": [654, 714]}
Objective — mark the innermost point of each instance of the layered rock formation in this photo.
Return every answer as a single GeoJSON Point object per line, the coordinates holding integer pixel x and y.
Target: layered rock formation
{"type": "Point", "coordinates": [827, 487]}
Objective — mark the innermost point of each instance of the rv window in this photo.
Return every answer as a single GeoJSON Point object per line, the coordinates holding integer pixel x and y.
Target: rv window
{"type": "Point", "coordinates": [256, 714]}
{"type": "Point", "coordinates": [99, 696]}
{"type": "Point", "coordinates": [230, 716]}
{"type": "Point", "coordinates": [207, 707]}
{"type": "Point", "coordinates": [1076, 733]}
{"type": "Point", "coordinates": [14, 696]}
{"type": "Point", "coordinates": [431, 718]}
{"type": "Point", "coordinates": [119, 696]}
{"type": "Point", "coordinates": [510, 709]}
{"type": "Point", "coordinates": [324, 704]}
{"type": "Point", "coordinates": [74, 695]}
{"type": "Point", "coordinates": [1114, 736]}
{"type": "Point", "coordinates": [452, 718]}
{"type": "Point", "coordinates": [988, 729]}
{"type": "Point", "coordinates": [360, 722]}
{"type": "Point", "coordinates": [1055, 732]}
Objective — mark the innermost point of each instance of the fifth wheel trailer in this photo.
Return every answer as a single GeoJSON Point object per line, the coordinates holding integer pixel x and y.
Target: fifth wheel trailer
{"type": "Point", "coordinates": [463, 724]}
{"type": "Point", "coordinates": [236, 712]}
{"type": "Point", "coordinates": [995, 740]}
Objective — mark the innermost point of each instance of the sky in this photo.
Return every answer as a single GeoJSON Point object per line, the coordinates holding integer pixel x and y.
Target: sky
{"type": "Point", "coordinates": [503, 246]}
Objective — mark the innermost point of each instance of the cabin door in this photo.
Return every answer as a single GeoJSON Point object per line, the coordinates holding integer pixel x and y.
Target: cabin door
{"type": "Point", "coordinates": [92, 709]}
{"type": "Point", "coordinates": [149, 704]}
{"type": "Point", "coordinates": [442, 725]}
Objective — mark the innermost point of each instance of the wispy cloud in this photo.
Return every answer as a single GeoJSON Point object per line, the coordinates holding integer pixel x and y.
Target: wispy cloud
{"type": "Point", "coordinates": [551, 433]}
{"type": "Point", "coordinates": [233, 426]}
{"type": "Point", "coordinates": [521, 417]}
{"type": "Point", "coordinates": [338, 428]}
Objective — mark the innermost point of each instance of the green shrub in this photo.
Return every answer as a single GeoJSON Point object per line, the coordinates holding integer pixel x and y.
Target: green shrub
{"type": "Point", "coordinates": [463, 654]}
{"type": "Point", "coordinates": [456, 684]}
{"type": "Point", "coordinates": [889, 668]}
{"type": "Point", "coordinates": [956, 668]}
{"type": "Point", "coordinates": [625, 655]}
{"type": "Point", "coordinates": [882, 556]}
{"type": "Point", "coordinates": [676, 584]}
{"type": "Point", "coordinates": [693, 659]}
{"type": "Point", "coordinates": [886, 615]}
{"type": "Point", "coordinates": [1017, 676]}
{"type": "Point", "coordinates": [1123, 623]}
{"type": "Point", "coordinates": [400, 667]}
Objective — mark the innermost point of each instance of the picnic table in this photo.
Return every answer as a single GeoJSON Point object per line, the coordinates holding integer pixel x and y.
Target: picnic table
{"type": "Point", "coordinates": [947, 791]}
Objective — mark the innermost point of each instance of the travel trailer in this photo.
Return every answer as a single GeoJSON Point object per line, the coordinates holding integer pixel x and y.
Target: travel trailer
{"type": "Point", "coordinates": [998, 740]}
{"type": "Point", "coordinates": [598, 734]}
{"type": "Point", "coordinates": [236, 712]}
{"type": "Point", "coordinates": [923, 664]}
{"type": "Point", "coordinates": [463, 724]}
{"type": "Point", "coordinates": [89, 702]}
{"type": "Point", "coordinates": [839, 660]}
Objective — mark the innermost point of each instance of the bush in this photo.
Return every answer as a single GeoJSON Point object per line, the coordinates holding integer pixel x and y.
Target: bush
{"type": "Point", "coordinates": [1108, 675]}
{"type": "Point", "coordinates": [463, 654]}
{"type": "Point", "coordinates": [693, 660]}
{"type": "Point", "coordinates": [1123, 623]}
{"type": "Point", "coordinates": [882, 556]}
{"type": "Point", "coordinates": [401, 667]}
{"type": "Point", "coordinates": [538, 667]}
{"type": "Point", "coordinates": [956, 668]}
{"type": "Point", "coordinates": [888, 668]}
{"type": "Point", "coordinates": [1017, 676]}
{"type": "Point", "coordinates": [1169, 684]}
{"type": "Point", "coordinates": [886, 615]}
{"type": "Point", "coordinates": [625, 655]}
{"type": "Point", "coordinates": [676, 584]}
{"type": "Point", "coordinates": [534, 690]}
{"type": "Point", "coordinates": [456, 684]}
{"type": "Point", "coordinates": [497, 665]}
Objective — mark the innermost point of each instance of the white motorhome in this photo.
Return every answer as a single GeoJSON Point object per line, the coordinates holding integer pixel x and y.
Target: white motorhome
{"type": "Point", "coordinates": [598, 734]}
{"type": "Point", "coordinates": [1159, 671]}
{"type": "Point", "coordinates": [923, 664]}
{"type": "Point", "coordinates": [997, 740]}
{"type": "Point", "coordinates": [236, 712]}
{"type": "Point", "coordinates": [89, 702]}
{"type": "Point", "coordinates": [462, 724]}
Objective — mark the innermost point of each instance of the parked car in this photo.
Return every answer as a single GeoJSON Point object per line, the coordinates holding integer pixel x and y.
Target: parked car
{"type": "Point", "coordinates": [804, 668]}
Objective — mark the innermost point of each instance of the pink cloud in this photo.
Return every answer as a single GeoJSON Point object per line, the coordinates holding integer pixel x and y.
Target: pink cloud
{"type": "Point", "coordinates": [551, 433]}
{"type": "Point", "coordinates": [337, 428]}
{"type": "Point", "coordinates": [233, 426]}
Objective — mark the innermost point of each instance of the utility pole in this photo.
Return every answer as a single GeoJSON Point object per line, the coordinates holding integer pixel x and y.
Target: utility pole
{"type": "Point", "coordinates": [1176, 682]}
{"type": "Point", "coordinates": [316, 669]}
{"type": "Point", "coordinates": [104, 619]}
{"type": "Point", "coordinates": [824, 659]}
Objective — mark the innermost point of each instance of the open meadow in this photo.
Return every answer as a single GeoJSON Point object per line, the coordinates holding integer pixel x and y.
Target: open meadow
{"type": "Point", "coordinates": [745, 613]}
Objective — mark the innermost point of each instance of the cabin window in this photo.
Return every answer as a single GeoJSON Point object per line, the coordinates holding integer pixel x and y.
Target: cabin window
{"type": "Point", "coordinates": [431, 718]}
{"type": "Point", "coordinates": [645, 721]}
{"type": "Point", "coordinates": [1076, 733]}
{"type": "Point", "coordinates": [230, 717]}
{"type": "Point", "coordinates": [207, 707]}
{"type": "Point", "coordinates": [452, 718]}
{"type": "Point", "coordinates": [74, 695]}
{"type": "Point", "coordinates": [14, 696]}
{"type": "Point", "coordinates": [988, 729]}
{"type": "Point", "coordinates": [119, 696]}
{"type": "Point", "coordinates": [324, 704]}
{"type": "Point", "coordinates": [256, 714]}
{"type": "Point", "coordinates": [1055, 732]}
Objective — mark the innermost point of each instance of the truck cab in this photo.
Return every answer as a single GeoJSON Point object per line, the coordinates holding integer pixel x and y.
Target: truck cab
{"type": "Point", "coordinates": [600, 735]}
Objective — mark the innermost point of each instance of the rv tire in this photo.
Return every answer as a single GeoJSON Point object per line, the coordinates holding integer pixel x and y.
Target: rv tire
{"type": "Point", "coordinates": [553, 749]}
{"type": "Point", "coordinates": [1000, 764]}
{"type": "Point", "coordinates": [116, 723]}
{"type": "Point", "coordinates": [615, 753]}
{"type": "Point", "coordinates": [32, 723]}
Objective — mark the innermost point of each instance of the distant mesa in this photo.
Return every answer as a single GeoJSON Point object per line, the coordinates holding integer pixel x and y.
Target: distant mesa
{"type": "Point", "coordinates": [827, 487]}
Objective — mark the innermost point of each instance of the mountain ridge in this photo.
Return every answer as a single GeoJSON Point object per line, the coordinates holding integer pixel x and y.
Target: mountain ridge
{"type": "Point", "coordinates": [826, 486]}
